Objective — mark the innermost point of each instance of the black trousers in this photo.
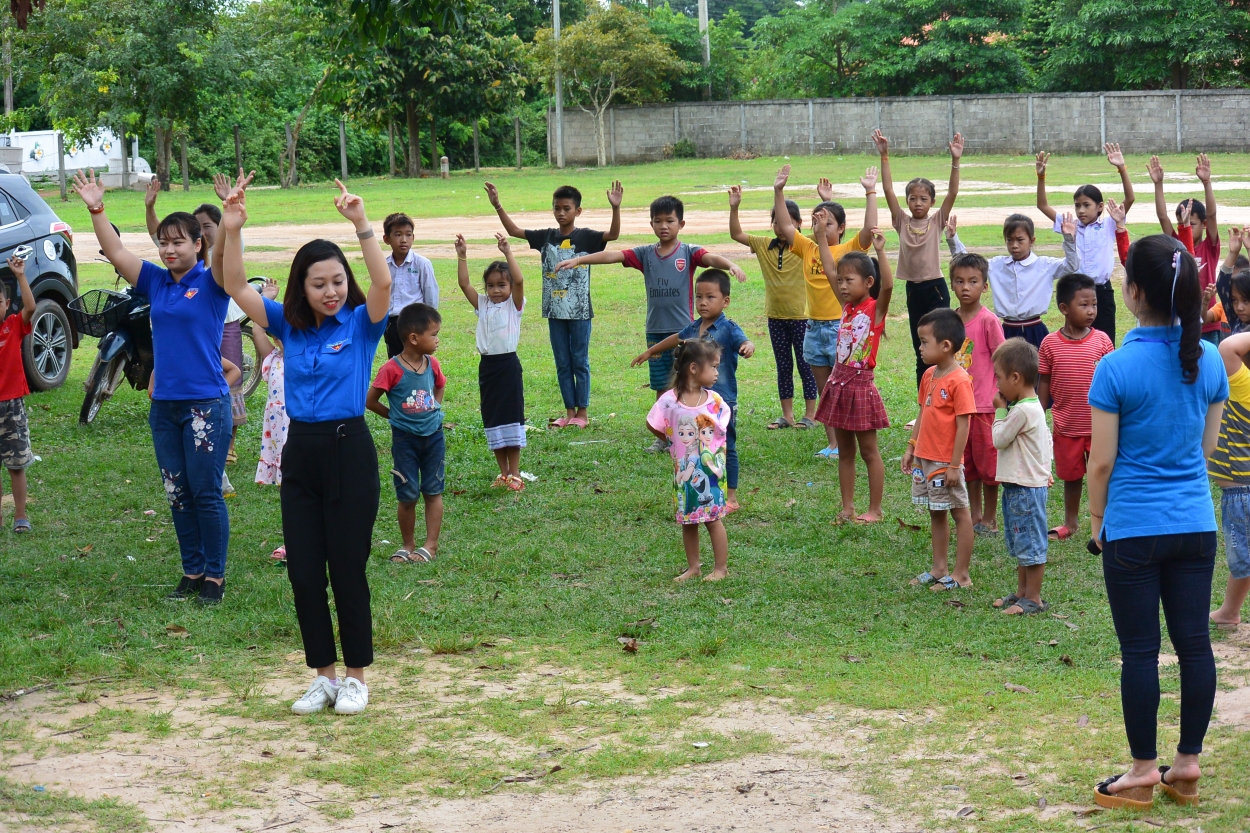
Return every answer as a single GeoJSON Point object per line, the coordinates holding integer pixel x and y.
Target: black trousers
{"type": "Point", "coordinates": [923, 297]}
{"type": "Point", "coordinates": [330, 494]}
{"type": "Point", "coordinates": [394, 344]}
{"type": "Point", "coordinates": [1104, 293]}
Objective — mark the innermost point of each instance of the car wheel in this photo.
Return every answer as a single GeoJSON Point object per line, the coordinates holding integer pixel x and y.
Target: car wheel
{"type": "Point", "coordinates": [46, 352]}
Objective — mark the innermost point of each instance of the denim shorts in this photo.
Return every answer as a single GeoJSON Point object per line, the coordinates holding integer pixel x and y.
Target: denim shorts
{"type": "Point", "coordinates": [419, 464]}
{"type": "Point", "coordinates": [1235, 509]}
{"type": "Point", "coordinates": [661, 366]}
{"type": "Point", "coordinates": [1024, 523]}
{"type": "Point", "coordinates": [820, 343]}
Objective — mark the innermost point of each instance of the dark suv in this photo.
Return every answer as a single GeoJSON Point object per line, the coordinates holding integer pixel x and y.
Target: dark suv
{"type": "Point", "coordinates": [53, 273]}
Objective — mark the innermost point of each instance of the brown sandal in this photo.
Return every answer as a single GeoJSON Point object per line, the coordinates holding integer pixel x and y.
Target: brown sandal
{"type": "Point", "coordinates": [1133, 798]}
{"type": "Point", "coordinates": [1182, 792]}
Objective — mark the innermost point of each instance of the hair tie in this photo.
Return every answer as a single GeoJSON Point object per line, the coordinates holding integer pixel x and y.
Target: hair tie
{"type": "Point", "coordinates": [1176, 273]}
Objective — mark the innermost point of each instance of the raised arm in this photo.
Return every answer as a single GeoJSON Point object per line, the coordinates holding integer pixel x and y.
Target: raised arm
{"type": "Point", "coordinates": [1043, 201]}
{"type": "Point", "coordinates": [1233, 350]}
{"type": "Point", "coordinates": [887, 277]}
{"type": "Point", "coordinates": [591, 259]}
{"type": "Point", "coordinates": [92, 193]}
{"type": "Point", "coordinates": [234, 278]}
{"type": "Point", "coordinates": [1185, 231]}
{"type": "Point", "coordinates": [378, 299]}
{"type": "Point", "coordinates": [820, 233]}
{"type": "Point", "coordinates": [869, 181]}
{"type": "Point", "coordinates": [512, 228]}
{"type": "Point", "coordinates": [149, 206]}
{"type": "Point", "coordinates": [887, 179]}
{"type": "Point", "coordinates": [1116, 158]}
{"type": "Point", "coordinates": [1204, 175]}
{"type": "Point", "coordinates": [1071, 255]}
{"type": "Point", "coordinates": [462, 271]}
{"type": "Point", "coordinates": [781, 214]}
{"type": "Point", "coordinates": [18, 267]}
{"type": "Point", "coordinates": [220, 183]}
{"type": "Point", "coordinates": [718, 262]}
{"type": "Point", "coordinates": [1115, 212]}
{"type": "Point", "coordinates": [1161, 204]}
{"type": "Point", "coordinates": [263, 345]}
{"type": "Point", "coordinates": [518, 280]}
{"type": "Point", "coordinates": [952, 190]}
{"type": "Point", "coordinates": [735, 224]}
{"type": "Point", "coordinates": [615, 194]}
{"type": "Point", "coordinates": [952, 236]}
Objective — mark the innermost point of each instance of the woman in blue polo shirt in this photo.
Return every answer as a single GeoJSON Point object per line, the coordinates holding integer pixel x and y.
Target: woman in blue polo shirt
{"type": "Point", "coordinates": [190, 414]}
{"type": "Point", "coordinates": [1156, 414]}
{"type": "Point", "coordinates": [330, 332]}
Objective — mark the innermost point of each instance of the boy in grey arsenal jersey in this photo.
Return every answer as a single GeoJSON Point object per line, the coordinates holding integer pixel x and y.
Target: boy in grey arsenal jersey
{"type": "Point", "coordinates": [668, 274]}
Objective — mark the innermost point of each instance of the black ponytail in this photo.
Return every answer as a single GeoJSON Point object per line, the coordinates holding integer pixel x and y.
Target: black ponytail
{"type": "Point", "coordinates": [1170, 291]}
{"type": "Point", "coordinates": [696, 351]}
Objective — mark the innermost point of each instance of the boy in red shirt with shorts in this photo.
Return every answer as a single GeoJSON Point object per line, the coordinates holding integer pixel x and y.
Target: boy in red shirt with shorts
{"type": "Point", "coordinates": [15, 453]}
{"type": "Point", "coordinates": [1065, 364]}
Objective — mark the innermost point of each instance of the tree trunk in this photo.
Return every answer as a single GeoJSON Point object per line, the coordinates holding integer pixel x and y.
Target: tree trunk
{"type": "Point", "coordinates": [8, 72]}
{"type": "Point", "coordinates": [414, 139]}
{"type": "Point", "coordinates": [434, 165]}
{"type": "Point", "coordinates": [291, 176]}
{"type": "Point", "coordinates": [164, 155]}
{"type": "Point", "coordinates": [600, 151]}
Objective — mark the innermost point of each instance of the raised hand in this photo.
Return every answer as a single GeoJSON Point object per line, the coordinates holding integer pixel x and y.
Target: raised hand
{"type": "Point", "coordinates": [1114, 156]}
{"type": "Point", "coordinates": [501, 240]}
{"type": "Point", "coordinates": [738, 273]}
{"type": "Point", "coordinates": [951, 224]}
{"type": "Point", "coordinates": [221, 185]}
{"type": "Point", "coordinates": [1040, 162]}
{"type": "Point", "coordinates": [819, 218]}
{"type": "Point", "coordinates": [1207, 295]}
{"type": "Point", "coordinates": [957, 147]}
{"type": "Point", "coordinates": [878, 241]}
{"type": "Point", "coordinates": [881, 143]}
{"type": "Point", "coordinates": [1236, 239]}
{"type": "Point", "coordinates": [234, 211]}
{"type": "Point", "coordinates": [747, 350]}
{"type": "Point", "coordinates": [492, 194]}
{"type": "Point", "coordinates": [735, 196]}
{"type": "Point", "coordinates": [1184, 211]}
{"type": "Point", "coordinates": [1068, 226]}
{"type": "Point", "coordinates": [868, 180]}
{"type": "Point", "coordinates": [824, 189]}
{"type": "Point", "coordinates": [783, 176]}
{"type": "Point", "coordinates": [17, 265]}
{"type": "Point", "coordinates": [615, 194]}
{"type": "Point", "coordinates": [462, 249]}
{"type": "Point", "coordinates": [240, 183]}
{"type": "Point", "coordinates": [1155, 170]}
{"type": "Point", "coordinates": [1115, 211]}
{"type": "Point", "coordinates": [270, 289]}
{"type": "Point", "coordinates": [1204, 169]}
{"type": "Point", "coordinates": [152, 192]}
{"type": "Point", "coordinates": [351, 206]}
{"type": "Point", "coordinates": [91, 191]}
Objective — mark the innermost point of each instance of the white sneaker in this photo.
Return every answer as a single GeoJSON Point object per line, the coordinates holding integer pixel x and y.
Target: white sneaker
{"type": "Point", "coordinates": [320, 694]}
{"type": "Point", "coordinates": [227, 489]}
{"type": "Point", "coordinates": [353, 697]}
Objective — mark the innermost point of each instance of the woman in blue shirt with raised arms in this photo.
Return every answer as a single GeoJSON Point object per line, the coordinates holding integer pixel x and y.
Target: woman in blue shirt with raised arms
{"type": "Point", "coordinates": [330, 332]}
{"type": "Point", "coordinates": [1156, 406]}
{"type": "Point", "coordinates": [190, 414]}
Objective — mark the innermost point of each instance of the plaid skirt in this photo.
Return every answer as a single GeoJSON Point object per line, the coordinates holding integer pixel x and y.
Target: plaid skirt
{"type": "Point", "coordinates": [851, 401]}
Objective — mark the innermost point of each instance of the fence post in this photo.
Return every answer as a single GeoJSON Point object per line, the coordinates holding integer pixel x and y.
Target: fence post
{"type": "Point", "coordinates": [950, 117]}
{"type": "Point", "coordinates": [476, 166]}
{"type": "Point", "coordinates": [182, 149]}
{"type": "Point", "coordinates": [444, 167]}
{"type": "Point", "coordinates": [125, 161]}
{"type": "Point", "coordinates": [1102, 118]}
{"type": "Point", "coordinates": [238, 149]}
{"type": "Point", "coordinates": [878, 103]}
{"type": "Point", "coordinates": [1031, 150]}
{"type": "Point", "coordinates": [60, 162]}
{"type": "Point", "coordinates": [390, 143]}
{"type": "Point", "coordinates": [742, 126]}
{"type": "Point", "coordinates": [811, 128]}
{"type": "Point", "coordinates": [676, 126]}
{"type": "Point", "coordinates": [516, 129]}
{"type": "Point", "coordinates": [343, 147]}
{"type": "Point", "coordinates": [1178, 123]}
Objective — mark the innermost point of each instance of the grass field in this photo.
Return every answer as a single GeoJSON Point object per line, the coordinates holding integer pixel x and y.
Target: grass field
{"type": "Point", "coordinates": [506, 647]}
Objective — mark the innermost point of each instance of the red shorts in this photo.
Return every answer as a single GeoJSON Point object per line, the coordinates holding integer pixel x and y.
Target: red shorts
{"type": "Point", "coordinates": [1071, 457]}
{"type": "Point", "coordinates": [980, 455]}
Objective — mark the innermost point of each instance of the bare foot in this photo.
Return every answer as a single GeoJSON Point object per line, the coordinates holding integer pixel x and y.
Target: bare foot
{"type": "Point", "coordinates": [716, 575]}
{"type": "Point", "coordinates": [689, 574]}
{"type": "Point", "coordinates": [870, 518]}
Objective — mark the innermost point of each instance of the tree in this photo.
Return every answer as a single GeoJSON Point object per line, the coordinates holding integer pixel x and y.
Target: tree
{"type": "Point", "coordinates": [803, 52]}
{"type": "Point", "coordinates": [725, 73]}
{"type": "Point", "coordinates": [612, 54]}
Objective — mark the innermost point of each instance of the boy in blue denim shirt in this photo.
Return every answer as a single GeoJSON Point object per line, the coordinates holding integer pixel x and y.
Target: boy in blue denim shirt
{"type": "Point", "coordinates": [711, 297]}
{"type": "Point", "coordinates": [414, 383]}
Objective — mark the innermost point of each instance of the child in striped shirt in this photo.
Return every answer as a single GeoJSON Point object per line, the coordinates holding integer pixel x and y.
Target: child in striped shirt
{"type": "Point", "coordinates": [1229, 469]}
{"type": "Point", "coordinates": [1066, 363]}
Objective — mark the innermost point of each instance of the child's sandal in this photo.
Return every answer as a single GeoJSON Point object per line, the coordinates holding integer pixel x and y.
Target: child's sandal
{"type": "Point", "coordinates": [500, 482]}
{"type": "Point", "coordinates": [515, 484]}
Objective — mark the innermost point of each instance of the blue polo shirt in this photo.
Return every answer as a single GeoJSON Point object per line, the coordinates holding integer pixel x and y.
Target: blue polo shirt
{"type": "Point", "coordinates": [1159, 483]}
{"type": "Point", "coordinates": [730, 338]}
{"type": "Point", "coordinates": [187, 319]}
{"type": "Point", "coordinates": [328, 368]}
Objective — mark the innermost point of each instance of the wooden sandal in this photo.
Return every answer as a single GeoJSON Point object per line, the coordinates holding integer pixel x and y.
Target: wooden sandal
{"type": "Point", "coordinates": [1133, 798]}
{"type": "Point", "coordinates": [1182, 792]}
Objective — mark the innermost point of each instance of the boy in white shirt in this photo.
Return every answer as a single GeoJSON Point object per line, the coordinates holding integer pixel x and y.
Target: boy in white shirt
{"type": "Point", "coordinates": [412, 277]}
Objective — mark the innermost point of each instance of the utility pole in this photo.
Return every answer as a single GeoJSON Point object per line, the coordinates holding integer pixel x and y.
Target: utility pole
{"type": "Point", "coordinates": [707, 49]}
{"type": "Point", "coordinates": [555, 27]}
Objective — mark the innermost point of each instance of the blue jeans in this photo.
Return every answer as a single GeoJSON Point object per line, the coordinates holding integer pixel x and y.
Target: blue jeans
{"type": "Point", "coordinates": [1139, 573]}
{"type": "Point", "coordinates": [420, 464]}
{"type": "Point", "coordinates": [191, 438]}
{"type": "Point", "coordinates": [570, 346]}
{"type": "Point", "coordinates": [1024, 523]}
{"type": "Point", "coordinates": [731, 448]}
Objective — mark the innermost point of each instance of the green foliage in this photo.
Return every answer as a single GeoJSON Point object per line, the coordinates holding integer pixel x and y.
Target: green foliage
{"type": "Point", "coordinates": [685, 149]}
{"type": "Point", "coordinates": [728, 45]}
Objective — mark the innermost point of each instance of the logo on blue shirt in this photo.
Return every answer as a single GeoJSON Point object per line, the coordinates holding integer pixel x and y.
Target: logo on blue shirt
{"type": "Point", "coordinates": [336, 346]}
{"type": "Point", "coordinates": [191, 293]}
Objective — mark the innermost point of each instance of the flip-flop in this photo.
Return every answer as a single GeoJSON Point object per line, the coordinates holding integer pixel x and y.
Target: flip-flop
{"type": "Point", "coordinates": [1006, 601]}
{"type": "Point", "coordinates": [827, 453]}
{"type": "Point", "coordinates": [578, 422]}
{"type": "Point", "coordinates": [559, 423]}
{"type": "Point", "coordinates": [1223, 626]}
{"type": "Point", "coordinates": [984, 531]}
{"type": "Point", "coordinates": [22, 526]}
{"type": "Point", "coordinates": [403, 556]}
{"type": "Point", "coordinates": [923, 579]}
{"type": "Point", "coordinates": [779, 423]}
{"type": "Point", "coordinates": [1027, 608]}
{"type": "Point", "coordinates": [421, 556]}
{"type": "Point", "coordinates": [946, 583]}
{"type": "Point", "coordinates": [1133, 798]}
{"type": "Point", "coordinates": [1060, 533]}
{"type": "Point", "coordinates": [1182, 792]}
{"type": "Point", "coordinates": [279, 554]}
{"type": "Point", "coordinates": [805, 423]}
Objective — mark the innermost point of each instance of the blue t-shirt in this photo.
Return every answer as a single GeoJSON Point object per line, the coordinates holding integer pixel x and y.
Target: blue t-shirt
{"type": "Point", "coordinates": [1159, 483]}
{"type": "Point", "coordinates": [410, 395]}
{"type": "Point", "coordinates": [187, 319]}
{"type": "Point", "coordinates": [730, 338]}
{"type": "Point", "coordinates": [328, 367]}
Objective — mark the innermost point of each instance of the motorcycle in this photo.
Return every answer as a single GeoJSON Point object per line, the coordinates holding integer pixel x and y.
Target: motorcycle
{"type": "Point", "coordinates": [122, 321]}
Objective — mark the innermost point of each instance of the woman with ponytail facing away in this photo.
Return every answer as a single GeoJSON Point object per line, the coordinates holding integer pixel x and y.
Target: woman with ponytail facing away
{"type": "Point", "coordinates": [1156, 406]}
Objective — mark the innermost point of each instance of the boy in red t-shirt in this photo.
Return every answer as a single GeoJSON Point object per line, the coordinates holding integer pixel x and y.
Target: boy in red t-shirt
{"type": "Point", "coordinates": [15, 453]}
{"type": "Point", "coordinates": [1065, 365]}
{"type": "Point", "coordinates": [936, 448]}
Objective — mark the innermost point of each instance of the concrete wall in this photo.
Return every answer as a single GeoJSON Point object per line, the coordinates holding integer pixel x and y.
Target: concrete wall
{"type": "Point", "coordinates": [1156, 122]}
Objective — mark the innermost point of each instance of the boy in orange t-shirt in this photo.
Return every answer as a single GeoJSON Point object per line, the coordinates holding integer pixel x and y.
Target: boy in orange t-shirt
{"type": "Point", "coordinates": [935, 452]}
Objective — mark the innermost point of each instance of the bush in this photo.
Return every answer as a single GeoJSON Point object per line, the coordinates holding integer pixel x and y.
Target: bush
{"type": "Point", "coordinates": [685, 149]}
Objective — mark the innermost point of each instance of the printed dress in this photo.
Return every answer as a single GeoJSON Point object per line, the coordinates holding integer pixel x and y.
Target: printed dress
{"type": "Point", "coordinates": [698, 447]}
{"type": "Point", "coordinates": [275, 422]}
{"type": "Point", "coordinates": [850, 400]}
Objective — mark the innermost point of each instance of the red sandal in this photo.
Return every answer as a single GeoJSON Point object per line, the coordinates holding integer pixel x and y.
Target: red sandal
{"type": "Point", "coordinates": [1060, 533]}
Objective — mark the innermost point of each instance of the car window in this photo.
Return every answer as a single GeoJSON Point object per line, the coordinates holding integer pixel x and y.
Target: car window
{"type": "Point", "coordinates": [7, 213]}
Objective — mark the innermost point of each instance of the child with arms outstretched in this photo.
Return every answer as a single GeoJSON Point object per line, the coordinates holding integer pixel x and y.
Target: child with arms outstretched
{"type": "Point", "coordinates": [692, 419]}
{"type": "Point", "coordinates": [499, 375]}
{"type": "Point", "coordinates": [919, 238]}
